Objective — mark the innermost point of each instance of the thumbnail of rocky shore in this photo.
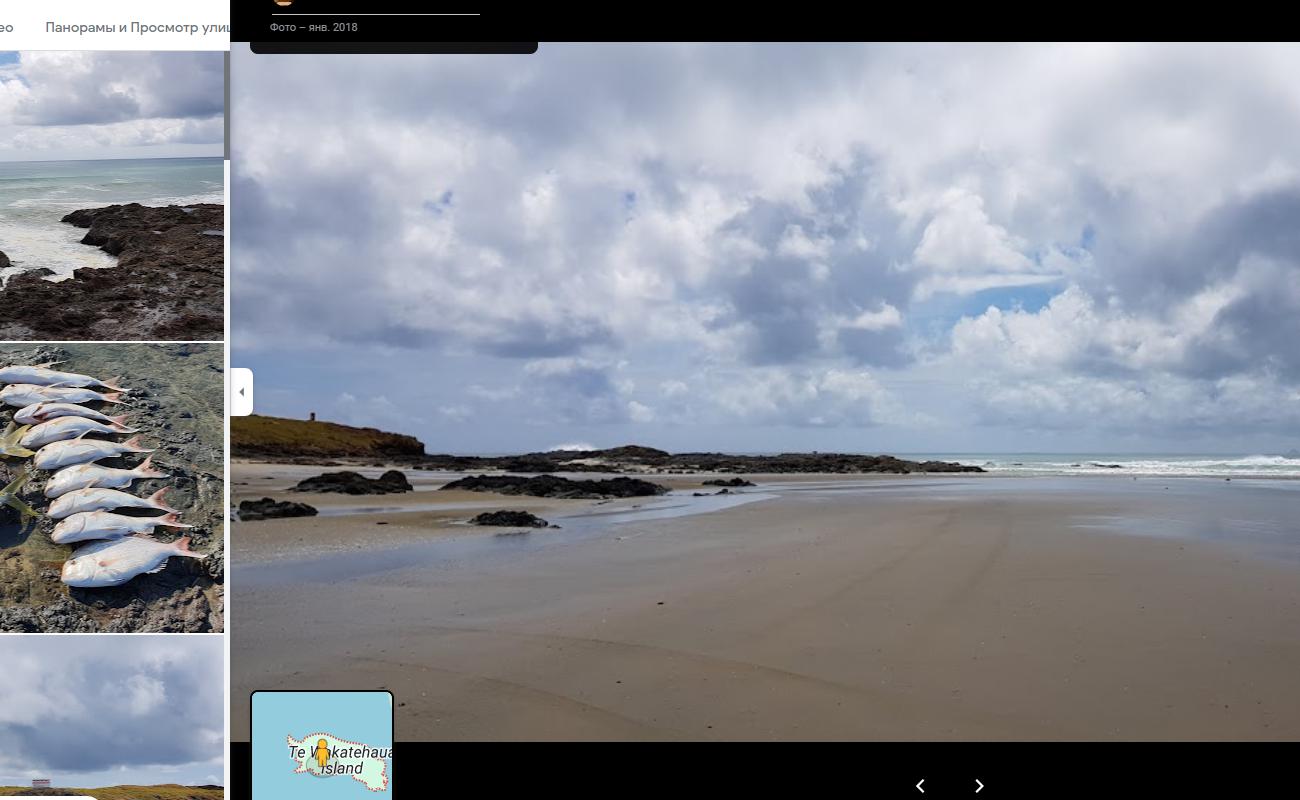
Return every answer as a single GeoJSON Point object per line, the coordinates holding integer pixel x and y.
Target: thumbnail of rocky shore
{"type": "Point", "coordinates": [174, 402]}
{"type": "Point", "coordinates": [168, 283]}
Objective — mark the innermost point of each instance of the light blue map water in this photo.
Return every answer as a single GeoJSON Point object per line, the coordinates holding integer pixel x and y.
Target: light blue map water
{"type": "Point", "coordinates": [365, 717]}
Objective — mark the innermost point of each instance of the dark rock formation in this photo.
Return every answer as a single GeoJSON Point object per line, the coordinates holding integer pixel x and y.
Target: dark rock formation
{"type": "Point", "coordinates": [553, 486]}
{"type": "Point", "coordinates": [346, 482]}
{"type": "Point", "coordinates": [1107, 466]}
{"type": "Point", "coordinates": [4, 260]}
{"type": "Point", "coordinates": [168, 282]}
{"type": "Point", "coordinates": [646, 459]}
{"type": "Point", "coordinates": [728, 482]}
{"type": "Point", "coordinates": [267, 508]}
{"type": "Point", "coordinates": [509, 519]}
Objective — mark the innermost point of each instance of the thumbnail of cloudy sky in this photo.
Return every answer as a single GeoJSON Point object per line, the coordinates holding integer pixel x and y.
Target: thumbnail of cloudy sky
{"type": "Point", "coordinates": [92, 711]}
{"type": "Point", "coordinates": [73, 105]}
{"type": "Point", "coordinates": [870, 248]}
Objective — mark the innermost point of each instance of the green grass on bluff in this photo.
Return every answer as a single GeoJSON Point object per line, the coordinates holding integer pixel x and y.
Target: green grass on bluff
{"type": "Point", "coordinates": [276, 437]}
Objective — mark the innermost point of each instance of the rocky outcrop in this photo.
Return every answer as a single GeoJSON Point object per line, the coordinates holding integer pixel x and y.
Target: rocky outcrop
{"type": "Point", "coordinates": [346, 482]}
{"type": "Point", "coordinates": [509, 519]}
{"type": "Point", "coordinates": [553, 486]}
{"type": "Point", "coordinates": [168, 283]}
{"type": "Point", "coordinates": [4, 260]}
{"type": "Point", "coordinates": [632, 458]}
{"type": "Point", "coordinates": [267, 508]}
{"type": "Point", "coordinates": [734, 482]}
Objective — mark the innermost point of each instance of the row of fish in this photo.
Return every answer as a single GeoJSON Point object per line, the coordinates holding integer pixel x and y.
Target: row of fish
{"type": "Point", "coordinates": [85, 494]}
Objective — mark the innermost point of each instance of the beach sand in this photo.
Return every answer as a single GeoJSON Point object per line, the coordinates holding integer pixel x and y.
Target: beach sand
{"type": "Point", "coordinates": [902, 609]}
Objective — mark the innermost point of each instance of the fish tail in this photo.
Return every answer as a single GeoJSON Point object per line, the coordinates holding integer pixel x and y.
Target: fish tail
{"type": "Point", "coordinates": [119, 420]}
{"type": "Point", "coordinates": [11, 442]}
{"type": "Point", "coordinates": [10, 495]}
{"type": "Point", "coordinates": [182, 546]}
{"type": "Point", "coordinates": [173, 520]}
{"type": "Point", "coordinates": [133, 445]}
{"type": "Point", "coordinates": [111, 397]}
{"type": "Point", "coordinates": [157, 501]}
{"type": "Point", "coordinates": [111, 383]}
{"type": "Point", "coordinates": [145, 469]}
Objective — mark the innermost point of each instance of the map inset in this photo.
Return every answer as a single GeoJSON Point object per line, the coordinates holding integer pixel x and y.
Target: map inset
{"type": "Point", "coordinates": [322, 744]}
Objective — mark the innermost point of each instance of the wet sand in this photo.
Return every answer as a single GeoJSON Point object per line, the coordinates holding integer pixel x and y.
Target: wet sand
{"type": "Point", "coordinates": [915, 609]}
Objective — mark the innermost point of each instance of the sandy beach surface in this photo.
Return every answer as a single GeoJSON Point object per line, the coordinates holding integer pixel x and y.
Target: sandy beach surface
{"type": "Point", "coordinates": [882, 607]}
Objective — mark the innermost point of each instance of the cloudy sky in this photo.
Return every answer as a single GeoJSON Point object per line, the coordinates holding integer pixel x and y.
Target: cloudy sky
{"type": "Point", "coordinates": [57, 105]}
{"type": "Point", "coordinates": [91, 711]}
{"type": "Point", "coordinates": [863, 248]}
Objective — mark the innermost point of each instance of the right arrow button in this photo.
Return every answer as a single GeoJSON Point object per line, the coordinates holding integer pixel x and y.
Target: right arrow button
{"type": "Point", "coordinates": [979, 786]}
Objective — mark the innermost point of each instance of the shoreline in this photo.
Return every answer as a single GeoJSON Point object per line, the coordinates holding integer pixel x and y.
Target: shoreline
{"type": "Point", "coordinates": [940, 613]}
{"type": "Point", "coordinates": [428, 514]}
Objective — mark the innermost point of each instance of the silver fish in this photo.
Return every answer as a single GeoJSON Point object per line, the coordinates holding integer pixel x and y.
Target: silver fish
{"type": "Point", "coordinates": [80, 451]}
{"type": "Point", "coordinates": [106, 525]}
{"type": "Point", "coordinates": [81, 500]}
{"type": "Point", "coordinates": [24, 394]}
{"type": "Point", "coordinates": [93, 476]}
{"type": "Point", "coordinates": [114, 562]}
{"type": "Point", "coordinates": [9, 497]}
{"type": "Point", "coordinates": [42, 375]}
{"type": "Point", "coordinates": [37, 413]}
{"type": "Point", "coordinates": [57, 430]}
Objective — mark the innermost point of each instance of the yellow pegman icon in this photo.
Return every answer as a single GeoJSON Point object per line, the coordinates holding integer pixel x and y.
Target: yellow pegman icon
{"type": "Point", "coordinates": [322, 752]}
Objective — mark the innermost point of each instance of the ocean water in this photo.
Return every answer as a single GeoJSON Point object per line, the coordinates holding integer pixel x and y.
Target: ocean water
{"type": "Point", "coordinates": [35, 195]}
{"type": "Point", "coordinates": [1183, 465]}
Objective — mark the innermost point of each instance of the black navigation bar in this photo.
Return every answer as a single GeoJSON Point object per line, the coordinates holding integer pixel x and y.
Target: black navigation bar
{"type": "Point", "coordinates": [366, 26]}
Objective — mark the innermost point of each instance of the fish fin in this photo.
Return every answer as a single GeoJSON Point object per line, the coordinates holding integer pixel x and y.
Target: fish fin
{"type": "Point", "coordinates": [158, 568]}
{"type": "Point", "coordinates": [26, 514]}
{"type": "Point", "coordinates": [111, 383]}
{"type": "Point", "coordinates": [157, 500]}
{"type": "Point", "coordinates": [145, 469]}
{"type": "Point", "coordinates": [134, 444]}
{"type": "Point", "coordinates": [11, 442]}
{"type": "Point", "coordinates": [119, 420]}
{"type": "Point", "coordinates": [81, 435]}
{"type": "Point", "coordinates": [47, 365]}
{"type": "Point", "coordinates": [16, 484]}
{"type": "Point", "coordinates": [173, 520]}
{"type": "Point", "coordinates": [112, 397]}
{"type": "Point", "coordinates": [182, 546]}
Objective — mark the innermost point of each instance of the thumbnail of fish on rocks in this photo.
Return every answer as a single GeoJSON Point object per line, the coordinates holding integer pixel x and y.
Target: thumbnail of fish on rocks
{"type": "Point", "coordinates": [54, 434]}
